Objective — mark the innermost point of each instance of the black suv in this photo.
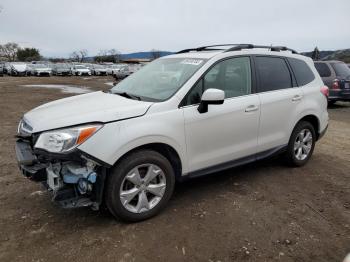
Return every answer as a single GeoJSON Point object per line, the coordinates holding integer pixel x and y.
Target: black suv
{"type": "Point", "coordinates": [335, 75]}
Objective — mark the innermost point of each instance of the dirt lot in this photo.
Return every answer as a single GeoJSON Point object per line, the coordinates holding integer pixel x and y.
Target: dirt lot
{"type": "Point", "coordinates": [259, 212]}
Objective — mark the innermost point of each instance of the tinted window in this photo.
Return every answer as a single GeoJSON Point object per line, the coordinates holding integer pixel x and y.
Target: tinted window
{"type": "Point", "coordinates": [323, 69]}
{"type": "Point", "coordinates": [231, 75]}
{"type": "Point", "coordinates": [341, 69]}
{"type": "Point", "coordinates": [302, 71]}
{"type": "Point", "coordinates": [273, 73]}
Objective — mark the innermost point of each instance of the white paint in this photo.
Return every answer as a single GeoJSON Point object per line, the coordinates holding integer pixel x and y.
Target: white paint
{"type": "Point", "coordinates": [64, 88]}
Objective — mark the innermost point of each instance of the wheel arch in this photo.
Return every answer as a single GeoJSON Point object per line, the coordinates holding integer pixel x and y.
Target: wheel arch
{"type": "Point", "coordinates": [162, 148]}
{"type": "Point", "coordinates": [313, 120]}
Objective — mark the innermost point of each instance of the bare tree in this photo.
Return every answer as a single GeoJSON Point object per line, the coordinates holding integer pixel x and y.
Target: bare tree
{"type": "Point", "coordinates": [155, 54]}
{"type": "Point", "coordinates": [83, 54]}
{"type": "Point", "coordinates": [79, 55]}
{"type": "Point", "coordinates": [115, 54]}
{"type": "Point", "coordinates": [9, 51]}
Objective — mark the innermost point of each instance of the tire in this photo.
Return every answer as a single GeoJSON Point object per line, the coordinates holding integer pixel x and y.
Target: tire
{"type": "Point", "coordinates": [292, 157]}
{"type": "Point", "coordinates": [132, 210]}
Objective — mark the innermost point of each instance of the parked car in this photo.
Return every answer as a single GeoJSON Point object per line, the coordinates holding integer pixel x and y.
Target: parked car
{"type": "Point", "coordinates": [17, 69]}
{"type": "Point", "coordinates": [61, 69]}
{"type": "Point", "coordinates": [7, 68]}
{"type": "Point", "coordinates": [80, 70]}
{"type": "Point", "coordinates": [98, 70]}
{"type": "Point", "coordinates": [38, 70]}
{"type": "Point", "coordinates": [336, 75]}
{"type": "Point", "coordinates": [128, 146]}
{"type": "Point", "coordinates": [1, 69]}
{"type": "Point", "coordinates": [126, 70]}
{"type": "Point", "coordinates": [112, 69]}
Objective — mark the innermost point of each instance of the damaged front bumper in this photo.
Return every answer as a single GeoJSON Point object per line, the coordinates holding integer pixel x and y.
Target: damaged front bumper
{"type": "Point", "coordinates": [74, 180]}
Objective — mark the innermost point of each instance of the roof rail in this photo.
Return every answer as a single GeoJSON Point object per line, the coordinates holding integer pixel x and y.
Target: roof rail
{"type": "Point", "coordinates": [237, 47]}
{"type": "Point", "coordinates": [250, 46]}
{"type": "Point", "coordinates": [202, 48]}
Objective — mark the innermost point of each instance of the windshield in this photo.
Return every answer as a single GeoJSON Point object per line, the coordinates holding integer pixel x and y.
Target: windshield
{"type": "Point", "coordinates": [80, 67]}
{"type": "Point", "coordinates": [160, 79]}
{"type": "Point", "coordinates": [62, 66]}
{"type": "Point", "coordinates": [341, 69]}
{"type": "Point", "coordinates": [38, 66]}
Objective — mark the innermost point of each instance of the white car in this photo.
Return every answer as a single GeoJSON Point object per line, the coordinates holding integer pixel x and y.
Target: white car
{"type": "Point", "coordinates": [17, 69]}
{"type": "Point", "coordinates": [112, 69]}
{"type": "Point", "coordinates": [98, 70]}
{"type": "Point", "coordinates": [127, 147]}
{"type": "Point", "coordinates": [80, 70]}
{"type": "Point", "coordinates": [39, 70]}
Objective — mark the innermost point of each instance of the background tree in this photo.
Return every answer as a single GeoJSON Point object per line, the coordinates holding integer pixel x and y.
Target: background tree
{"type": "Point", "coordinates": [9, 51]}
{"type": "Point", "coordinates": [155, 54]}
{"type": "Point", "coordinates": [111, 55]}
{"type": "Point", "coordinates": [28, 54]}
{"type": "Point", "coordinates": [79, 56]}
{"type": "Point", "coordinates": [315, 54]}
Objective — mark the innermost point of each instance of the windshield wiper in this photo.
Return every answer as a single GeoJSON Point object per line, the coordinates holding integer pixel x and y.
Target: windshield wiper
{"type": "Point", "coordinates": [127, 95]}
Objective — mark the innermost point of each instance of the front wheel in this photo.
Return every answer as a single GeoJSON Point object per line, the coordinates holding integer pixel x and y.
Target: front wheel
{"type": "Point", "coordinates": [140, 186]}
{"type": "Point", "coordinates": [301, 144]}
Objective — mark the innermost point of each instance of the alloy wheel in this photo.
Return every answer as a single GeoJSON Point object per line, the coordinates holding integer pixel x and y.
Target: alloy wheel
{"type": "Point", "coordinates": [303, 144]}
{"type": "Point", "coordinates": [142, 188]}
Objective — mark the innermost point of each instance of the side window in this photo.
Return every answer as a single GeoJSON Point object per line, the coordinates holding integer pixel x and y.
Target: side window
{"type": "Point", "coordinates": [231, 75]}
{"type": "Point", "coordinates": [302, 71]}
{"type": "Point", "coordinates": [323, 69]}
{"type": "Point", "coordinates": [273, 73]}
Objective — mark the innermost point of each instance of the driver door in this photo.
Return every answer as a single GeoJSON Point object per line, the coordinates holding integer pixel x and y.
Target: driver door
{"type": "Point", "coordinates": [226, 132]}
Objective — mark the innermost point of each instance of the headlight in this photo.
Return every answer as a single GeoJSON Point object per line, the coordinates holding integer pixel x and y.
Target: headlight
{"type": "Point", "coordinates": [64, 140]}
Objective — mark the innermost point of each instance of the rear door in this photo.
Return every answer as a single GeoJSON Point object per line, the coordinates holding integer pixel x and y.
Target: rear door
{"type": "Point", "coordinates": [279, 98]}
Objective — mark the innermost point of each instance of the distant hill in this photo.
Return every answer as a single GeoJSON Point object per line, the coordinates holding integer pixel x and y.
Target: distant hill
{"type": "Point", "coordinates": [342, 55]}
{"type": "Point", "coordinates": [144, 55]}
{"type": "Point", "coordinates": [137, 55]}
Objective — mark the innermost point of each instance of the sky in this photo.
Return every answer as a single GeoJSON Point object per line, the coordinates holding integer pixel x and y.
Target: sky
{"type": "Point", "coordinates": [59, 27]}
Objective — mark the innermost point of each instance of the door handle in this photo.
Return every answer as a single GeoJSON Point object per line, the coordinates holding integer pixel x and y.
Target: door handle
{"type": "Point", "coordinates": [297, 97]}
{"type": "Point", "coordinates": [251, 108]}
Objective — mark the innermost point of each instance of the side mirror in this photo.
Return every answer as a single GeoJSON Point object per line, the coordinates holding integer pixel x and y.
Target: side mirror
{"type": "Point", "coordinates": [211, 96]}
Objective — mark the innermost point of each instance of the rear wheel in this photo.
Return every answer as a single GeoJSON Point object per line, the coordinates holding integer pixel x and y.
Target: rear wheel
{"type": "Point", "coordinates": [140, 186]}
{"type": "Point", "coordinates": [301, 144]}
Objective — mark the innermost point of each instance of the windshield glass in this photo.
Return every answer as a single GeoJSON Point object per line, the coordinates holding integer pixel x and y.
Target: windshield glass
{"type": "Point", "coordinates": [62, 66]}
{"type": "Point", "coordinates": [341, 69]}
{"type": "Point", "coordinates": [160, 79]}
{"type": "Point", "coordinates": [80, 67]}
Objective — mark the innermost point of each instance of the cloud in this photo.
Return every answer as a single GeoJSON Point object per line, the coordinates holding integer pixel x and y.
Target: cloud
{"type": "Point", "coordinates": [58, 27]}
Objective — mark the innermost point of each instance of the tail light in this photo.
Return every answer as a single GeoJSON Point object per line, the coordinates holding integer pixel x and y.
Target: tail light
{"type": "Point", "coordinates": [335, 84]}
{"type": "Point", "coordinates": [325, 91]}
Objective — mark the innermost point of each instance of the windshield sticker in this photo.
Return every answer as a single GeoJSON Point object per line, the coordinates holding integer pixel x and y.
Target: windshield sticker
{"type": "Point", "coordinates": [192, 62]}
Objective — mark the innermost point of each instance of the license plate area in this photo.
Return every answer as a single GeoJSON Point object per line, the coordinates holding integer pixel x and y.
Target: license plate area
{"type": "Point", "coordinates": [54, 180]}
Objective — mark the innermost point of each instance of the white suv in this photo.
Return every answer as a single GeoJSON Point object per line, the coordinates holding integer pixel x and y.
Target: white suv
{"type": "Point", "coordinates": [184, 115]}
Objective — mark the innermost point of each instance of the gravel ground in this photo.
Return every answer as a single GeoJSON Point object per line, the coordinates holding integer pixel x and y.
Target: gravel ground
{"type": "Point", "coordinates": [258, 212]}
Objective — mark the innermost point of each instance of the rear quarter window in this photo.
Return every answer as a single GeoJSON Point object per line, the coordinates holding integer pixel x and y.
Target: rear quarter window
{"type": "Point", "coordinates": [323, 69]}
{"type": "Point", "coordinates": [302, 71]}
{"type": "Point", "coordinates": [273, 73]}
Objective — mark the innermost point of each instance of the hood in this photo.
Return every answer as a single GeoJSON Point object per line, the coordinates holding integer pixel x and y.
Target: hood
{"type": "Point", "coordinates": [81, 109]}
{"type": "Point", "coordinates": [20, 67]}
{"type": "Point", "coordinates": [82, 69]}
